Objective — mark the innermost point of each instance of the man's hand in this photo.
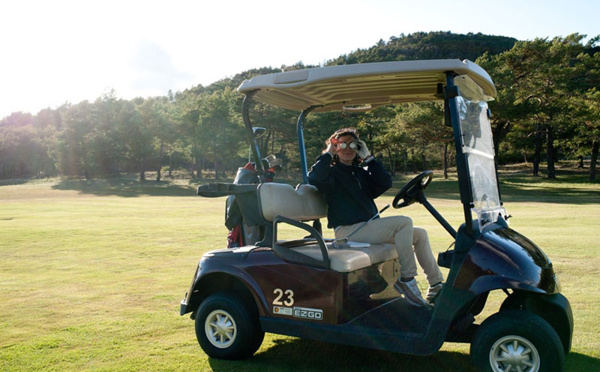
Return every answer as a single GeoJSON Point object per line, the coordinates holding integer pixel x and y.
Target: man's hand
{"type": "Point", "coordinates": [331, 148]}
{"type": "Point", "coordinates": [362, 150]}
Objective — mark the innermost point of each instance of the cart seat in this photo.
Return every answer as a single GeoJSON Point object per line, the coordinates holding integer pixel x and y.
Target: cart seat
{"type": "Point", "coordinates": [345, 260]}
{"type": "Point", "coordinates": [305, 203]}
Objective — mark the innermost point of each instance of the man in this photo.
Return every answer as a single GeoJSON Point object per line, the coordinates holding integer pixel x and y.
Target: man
{"type": "Point", "coordinates": [351, 178]}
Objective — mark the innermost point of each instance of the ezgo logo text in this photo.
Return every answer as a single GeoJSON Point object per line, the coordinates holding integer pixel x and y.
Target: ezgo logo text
{"type": "Point", "coordinates": [306, 313]}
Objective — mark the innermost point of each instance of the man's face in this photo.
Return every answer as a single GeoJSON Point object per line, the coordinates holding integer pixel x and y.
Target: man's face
{"type": "Point", "coordinates": [347, 154]}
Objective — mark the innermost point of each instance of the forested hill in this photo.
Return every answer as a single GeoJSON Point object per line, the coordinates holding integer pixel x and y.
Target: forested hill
{"type": "Point", "coordinates": [429, 45]}
{"type": "Point", "coordinates": [420, 45]}
{"type": "Point", "coordinates": [547, 94]}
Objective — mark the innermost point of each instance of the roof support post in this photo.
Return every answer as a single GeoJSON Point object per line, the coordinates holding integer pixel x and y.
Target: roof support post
{"type": "Point", "coordinates": [462, 168]}
{"type": "Point", "coordinates": [250, 133]}
{"type": "Point", "coordinates": [301, 145]}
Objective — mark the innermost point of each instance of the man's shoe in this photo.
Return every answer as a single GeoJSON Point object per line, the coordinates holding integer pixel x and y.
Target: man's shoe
{"type": "Point", "coordinates": [411, 292]}
{"type": "Point", "coordinates": [433, 291]}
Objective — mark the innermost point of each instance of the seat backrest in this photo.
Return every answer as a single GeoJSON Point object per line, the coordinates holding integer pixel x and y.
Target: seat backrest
{"type": "Point", "coordinates": [305, 203]}
{"type": "Point", "coordinates": [302, 203]}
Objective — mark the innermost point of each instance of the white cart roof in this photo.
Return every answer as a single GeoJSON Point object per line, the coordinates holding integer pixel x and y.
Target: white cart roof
{"type": "Point", "coordinates": [362, 86]}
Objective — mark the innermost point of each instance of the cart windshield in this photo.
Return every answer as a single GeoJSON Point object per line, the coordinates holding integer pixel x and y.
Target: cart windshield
{"type": "Point", "coordinates": [478, 148]}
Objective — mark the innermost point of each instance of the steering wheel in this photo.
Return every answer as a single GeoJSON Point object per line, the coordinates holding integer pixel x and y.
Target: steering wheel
{"type": "Point", "coordinates": [412, 190]}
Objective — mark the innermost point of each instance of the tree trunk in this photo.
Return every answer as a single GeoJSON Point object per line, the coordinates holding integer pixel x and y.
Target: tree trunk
{"type": "Point", "coordinates": [594, 160]}
{"type": "Point", "coordinates": [171, 163]}
{"type": "Point", "coordinates": [142, 173]}
{"type": "Point", "coordinates": [391, 162]}
{"type": "Point", "coordinates": [198, 167]}
{"type": "Point", "coordinates": [196, 160]}
{"type": "Point", "coordinates": [538, 150]}
{"type": "Point", "coordinates": [446, 160]}
{"type": "Point", "coordinates": [394, 156]}
{"type": "Point", "coordinates": [160, 156]}
{"type": "Point", "coordinates": [499, 130]}
{"type": "Point", "coordinates": [550, 153]}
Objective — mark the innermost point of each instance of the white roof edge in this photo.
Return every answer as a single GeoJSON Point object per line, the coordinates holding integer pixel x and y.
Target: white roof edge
{"type": "Point", "coordinates": [302, 77]}
{"type": "Point", "coordinates": [298, 83]}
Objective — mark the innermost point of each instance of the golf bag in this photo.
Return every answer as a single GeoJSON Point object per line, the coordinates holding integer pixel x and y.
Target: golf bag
{"type": "Point", "coordinates": [242, 233]}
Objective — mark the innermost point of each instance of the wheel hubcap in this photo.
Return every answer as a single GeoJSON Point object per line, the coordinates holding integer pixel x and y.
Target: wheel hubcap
{"type": "Point", "coordinates": [220, 329]}
{"type": "Point", "coordinates": [514, 354]}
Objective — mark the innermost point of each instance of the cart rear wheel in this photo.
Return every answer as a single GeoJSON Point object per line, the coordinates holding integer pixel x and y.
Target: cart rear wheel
{"type": "Point", "coordinates": [227, 327]}
{"type": "Point", "coordinates": [517, 341]}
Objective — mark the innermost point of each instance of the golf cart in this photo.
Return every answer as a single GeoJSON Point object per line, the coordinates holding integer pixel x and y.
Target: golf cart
{"type": "Point", "coordinates": [310, 287]}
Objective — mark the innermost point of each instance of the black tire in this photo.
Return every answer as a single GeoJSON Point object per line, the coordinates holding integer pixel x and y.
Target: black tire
{"type": "Point", "coordinates": [517, 338]}
{"type": "Point", "coordinates": [228, 327]}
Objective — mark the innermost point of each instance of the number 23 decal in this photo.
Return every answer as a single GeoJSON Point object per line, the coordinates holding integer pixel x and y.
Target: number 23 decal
{"type": "Point", "coordinates": [283, 297]}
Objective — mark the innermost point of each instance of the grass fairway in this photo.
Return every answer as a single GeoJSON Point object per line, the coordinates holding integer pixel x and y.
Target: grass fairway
{"type": "Point", "coordinates": [92, 273]}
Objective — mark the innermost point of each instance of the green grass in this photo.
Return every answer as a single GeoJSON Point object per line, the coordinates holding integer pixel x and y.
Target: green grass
{"type": "Point", "coordinates": [92, 273]}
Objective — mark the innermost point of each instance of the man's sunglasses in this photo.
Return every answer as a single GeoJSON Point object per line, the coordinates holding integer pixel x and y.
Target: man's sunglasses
{"type": "Point", "coordinates": [342, 145]}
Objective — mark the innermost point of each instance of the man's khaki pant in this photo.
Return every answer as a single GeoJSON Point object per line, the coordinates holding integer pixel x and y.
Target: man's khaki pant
{"type": "Point", "coordinates": [409, 241]}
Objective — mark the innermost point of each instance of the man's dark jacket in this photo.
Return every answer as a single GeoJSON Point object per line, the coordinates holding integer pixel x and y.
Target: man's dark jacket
{"type": "Point", "coordinates": [349, 189]}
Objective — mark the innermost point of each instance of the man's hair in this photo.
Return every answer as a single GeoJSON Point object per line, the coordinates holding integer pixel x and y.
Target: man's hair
{"type": "Point", "coordinates": [345, 132]}
{"type": "Point", "coordinates": [340, 133]}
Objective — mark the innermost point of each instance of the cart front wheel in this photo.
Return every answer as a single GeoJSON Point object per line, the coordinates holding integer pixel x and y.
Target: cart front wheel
{"type": "Point", "coordinates": [517, 341]}
{"type": "Point", "coordinates": [227, 327]}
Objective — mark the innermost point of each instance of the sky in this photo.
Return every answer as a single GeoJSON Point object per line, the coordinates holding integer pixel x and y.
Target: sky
{"type": "Point", "coordinates": [60, 51]}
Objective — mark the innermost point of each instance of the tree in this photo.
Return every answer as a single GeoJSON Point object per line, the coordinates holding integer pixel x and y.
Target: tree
{"type": "Point", "coordinates": [507, 110]}
{"type": "Point", "coordinates": [157, 116]}
{"type": "Point", "coordinates": [220, 129]}
{"type": "Point", "coordinates": [538, 83]}
{"type": "Point", "coordinates": [426, 132]}
{"type": "Point", "coordinates": [588, 133]}
{"type": "Point", "coordinates": [394, 142]}
{"type": "Point", "coordinates": [105, 144]}
{"type": "Point", "coordinates": [74, 139]}
{"type": "Point", "coordinates": [585, 139]}
{"type": "Point", "coordinates": [137, 136]}
{"type": "Point", "coordinates": [428, 45]}
{"type": "Point", "coordinates": [186, 118]}
{"type": "Point", "coordinates": [24, 147]}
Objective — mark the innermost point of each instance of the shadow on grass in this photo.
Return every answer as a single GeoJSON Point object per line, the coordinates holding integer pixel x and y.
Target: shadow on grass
{"type": "Point", "coordinates": [128, 187]}
{"type": "Point", "coordinates": [544, 193]}
{"type": "Point", "coordinates": [514, 188]}
{"type": "Point", "coordinates": [14, 182]}
{"type": "Point", "coordinates": [306, 355]}
{"type": "Point", "coordinates": [575, 190]}
{"type": "Point", "coordinates": [581, 363]}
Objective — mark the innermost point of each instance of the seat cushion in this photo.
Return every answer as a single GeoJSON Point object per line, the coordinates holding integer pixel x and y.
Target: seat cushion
{"type": "Point", "coordinates": [350, 259]}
